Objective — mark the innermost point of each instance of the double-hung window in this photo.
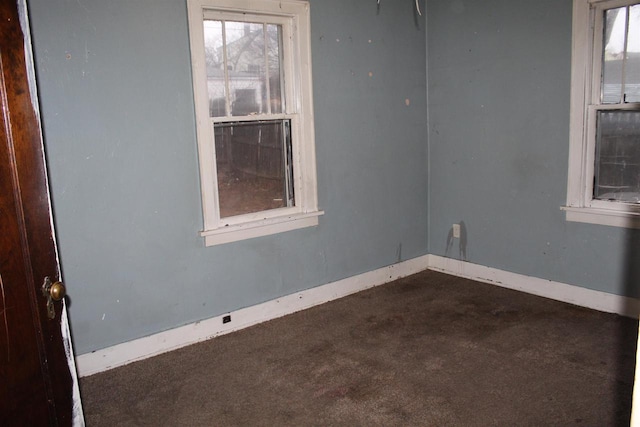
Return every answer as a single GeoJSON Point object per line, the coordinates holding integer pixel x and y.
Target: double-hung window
{"type": "Point", "coordinates": [604, 157]}
{"type": "Point", "coordinates": [251, 65]}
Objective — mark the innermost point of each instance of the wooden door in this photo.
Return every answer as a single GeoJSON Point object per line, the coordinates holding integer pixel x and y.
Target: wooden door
{"type": "Point", "coordinates": [36, 381]}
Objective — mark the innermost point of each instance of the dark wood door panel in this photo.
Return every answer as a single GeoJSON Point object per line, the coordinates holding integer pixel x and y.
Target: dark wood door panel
{"type": "Point", "coordinates": [35, 378]}
{"type": "Point", "coordinates": [19, 351]}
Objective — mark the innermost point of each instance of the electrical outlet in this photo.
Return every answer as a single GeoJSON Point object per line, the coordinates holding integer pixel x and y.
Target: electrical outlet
{"type": "Point", "coordinates": [456, 231]}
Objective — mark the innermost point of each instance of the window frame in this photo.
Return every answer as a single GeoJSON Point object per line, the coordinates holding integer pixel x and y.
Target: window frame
{"type": "Point", "coordinates": [586, 72]}
{"type": "Point", "coordinates": [293, 15]}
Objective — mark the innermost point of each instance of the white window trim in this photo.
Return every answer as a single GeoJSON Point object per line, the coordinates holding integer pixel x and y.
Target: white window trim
{"type": "Point", "coordinates": [585, 87]}
{"type": "Point", "coordinates": [299, 104]}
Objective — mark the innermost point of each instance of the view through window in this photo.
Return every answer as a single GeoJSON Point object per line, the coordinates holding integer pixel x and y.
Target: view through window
{"type": "Point", "coordinates": [617, 139]}
{"type": "Point", "coordinates": [253, 98]}
{"type": "Point", "coordinates": [246, 97]}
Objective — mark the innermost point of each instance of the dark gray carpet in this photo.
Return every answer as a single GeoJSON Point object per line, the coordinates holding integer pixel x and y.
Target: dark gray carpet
{"type": "Point", "coordinates": [426, 350]}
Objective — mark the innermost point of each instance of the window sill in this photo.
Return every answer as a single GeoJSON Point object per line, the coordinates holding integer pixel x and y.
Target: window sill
{"type": "Point", "coordinates": [603, 216]}
{"type": "Point", "coordinates": [265, 227]}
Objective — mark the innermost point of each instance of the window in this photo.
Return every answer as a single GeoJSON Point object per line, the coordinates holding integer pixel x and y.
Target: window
{"type": "Point", "coordinates": [604, 156]}
{"type": "Point", "coordinates": [251, 64]}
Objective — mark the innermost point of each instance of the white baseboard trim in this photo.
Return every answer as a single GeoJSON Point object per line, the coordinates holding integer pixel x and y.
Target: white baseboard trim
{"type": "Point", "coordinates": [597, 300]}
{"type": "Point", "coordinates": [162, 342]}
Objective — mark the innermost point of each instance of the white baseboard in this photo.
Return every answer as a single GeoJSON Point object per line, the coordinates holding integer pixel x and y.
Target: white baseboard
{"type": "Point", "coordinates": [162, 342]}
{"type": "Point", "coordinates": [597, 300]}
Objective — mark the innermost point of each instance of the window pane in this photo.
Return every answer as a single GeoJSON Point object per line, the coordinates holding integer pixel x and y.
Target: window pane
{"type": "Point", "coordinates": [254, 166]}
{"type": "Point", "coordinates": [621, 58]}
{"type": "Point", "coordinates": [246, 67]}
{"type": "Point", "coordinates": [253, 72]}
{"type": "Point", "coordinates": [215, 67]}
{"type": "Point", "coordinates": [274, 52]}
{"type": "Point", "coordinates": [617, 166]}
{"type": "Point", "coordinates": [614, 42]}
{"type": "Point", "coordinates": [632, 70]}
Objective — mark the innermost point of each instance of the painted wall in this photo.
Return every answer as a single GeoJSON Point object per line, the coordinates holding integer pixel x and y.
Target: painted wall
{"type": "Point", "coordinates": [117, 107]}
{"type": "Point", "coordinates": [498, 101]}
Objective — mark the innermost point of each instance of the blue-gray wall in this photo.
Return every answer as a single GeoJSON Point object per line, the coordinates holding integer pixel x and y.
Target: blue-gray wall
{"type": "Point", "coordinates": [498, 102]}
{"type": "Point", "coordinates": [117, 108]}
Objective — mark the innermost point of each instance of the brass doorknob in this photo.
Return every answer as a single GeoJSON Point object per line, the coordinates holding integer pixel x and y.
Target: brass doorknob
{"type": "Point", "coordinates": [52, 292]}
{"type": "Point", "coordinates": [57, 291]}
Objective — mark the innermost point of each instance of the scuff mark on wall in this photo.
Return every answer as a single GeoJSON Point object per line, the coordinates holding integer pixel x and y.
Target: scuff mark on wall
{"type": "Point", "coordinates": [462, 241]}
{"type": "Point", "coordinates": [449, 242]}
{"type": "Point", "coordinates": [399, 252]}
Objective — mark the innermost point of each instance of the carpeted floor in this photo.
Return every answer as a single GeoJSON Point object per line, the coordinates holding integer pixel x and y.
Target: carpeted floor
{"type": "Point", "coordinates": [425, 350]}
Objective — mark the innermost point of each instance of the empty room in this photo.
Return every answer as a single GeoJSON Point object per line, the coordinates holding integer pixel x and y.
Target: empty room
{"type": "Point", "coordinates": [356, 212]}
